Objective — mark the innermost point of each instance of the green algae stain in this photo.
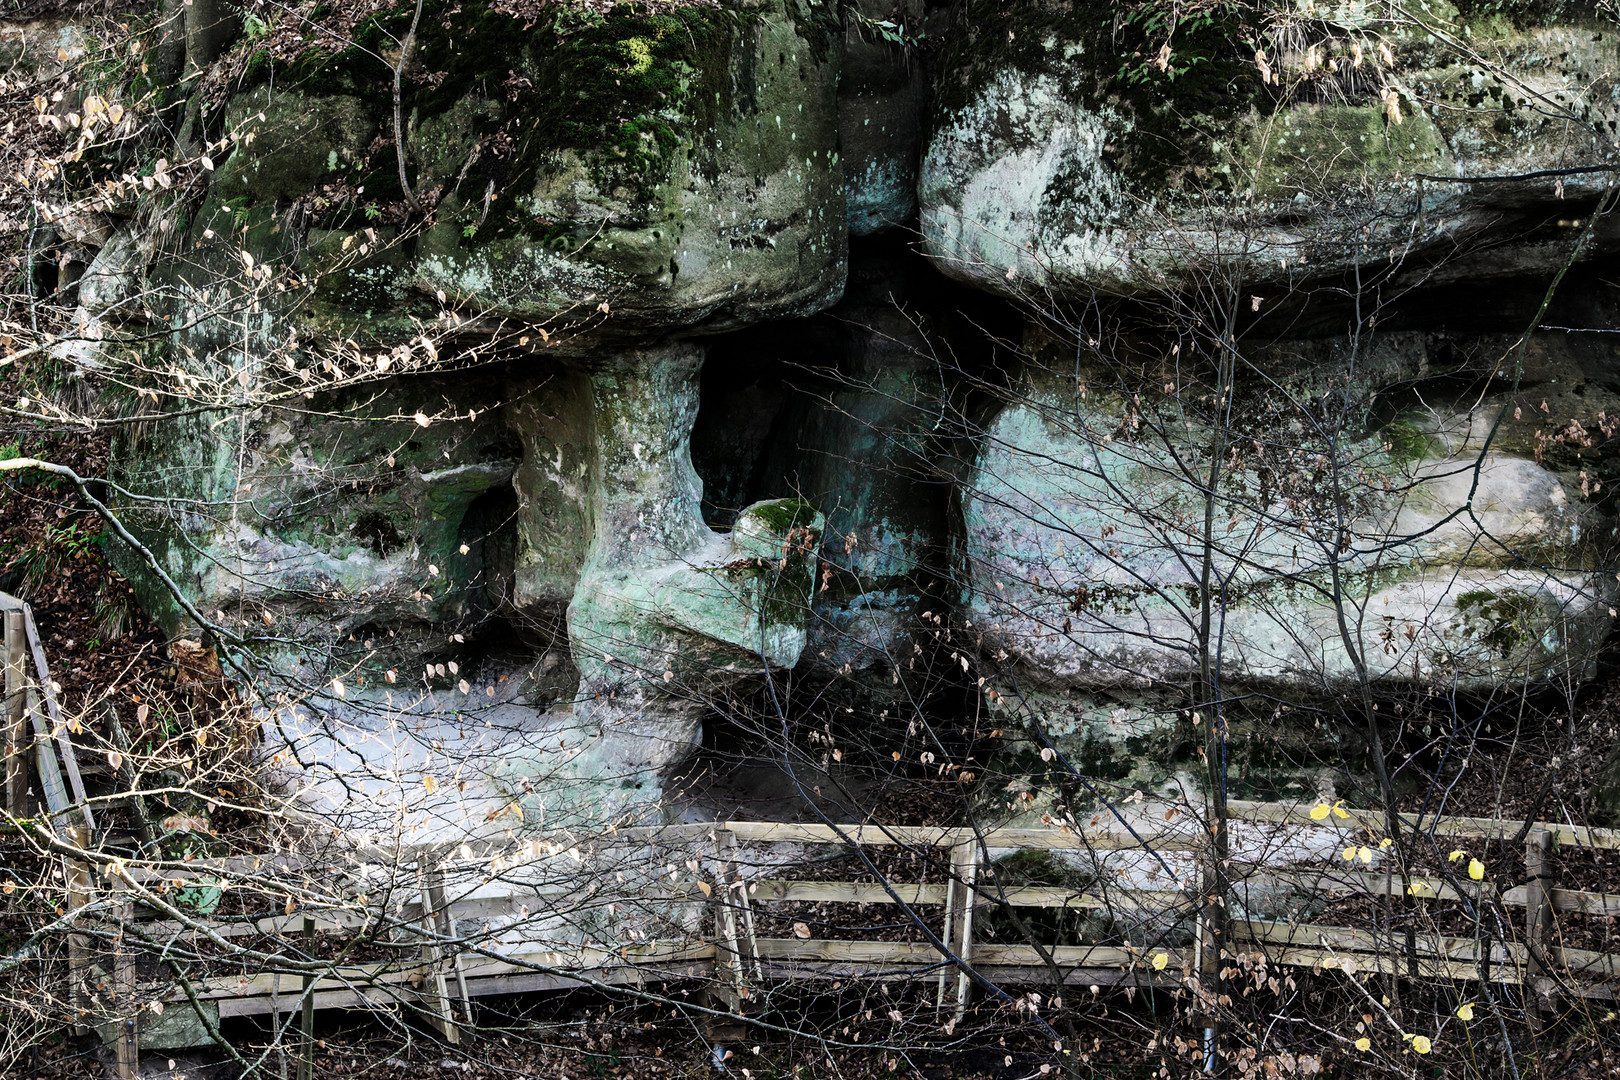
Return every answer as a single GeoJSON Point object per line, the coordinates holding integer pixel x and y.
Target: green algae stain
{"type": "Point", "coordinates": [627, 90]}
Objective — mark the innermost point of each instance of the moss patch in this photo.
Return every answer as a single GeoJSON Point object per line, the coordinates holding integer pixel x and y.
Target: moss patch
{"type": "Point", "coordinates": [1208, 80]}
{"type": "Point", "coordinates": [1336, 147]}
{"type": "Point", "coordinates": [627, 90]}
{"type": "Point", "coordinates": [784, 514]}
{"type": "Point", "coordinates": [1506, 617]}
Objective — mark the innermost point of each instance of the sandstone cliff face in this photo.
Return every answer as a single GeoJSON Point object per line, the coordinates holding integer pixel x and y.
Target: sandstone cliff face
{"type": "Point", "coordinates": [1062, 160]}
{"type": "Point", "coordinates": [624, 416]}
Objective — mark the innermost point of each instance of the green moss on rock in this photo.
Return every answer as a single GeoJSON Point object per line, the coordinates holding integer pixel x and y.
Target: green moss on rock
{"type": "Point", "coordinates": [1105, 55]}
{"type": "Point", "coordinates": [628, 89]}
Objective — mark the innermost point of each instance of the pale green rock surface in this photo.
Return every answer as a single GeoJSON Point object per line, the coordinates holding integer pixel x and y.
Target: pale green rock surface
{"type": "Point", "coordinates": [329, 521]}
{"type": "Point", "coordinates": [1084, 560]}
{"type": "Point", "coordinates": [666, 608]}
{"type": "Point", "coordinates": [748, 225]}
{"type": "Point", "coordinates": [1022, 188]}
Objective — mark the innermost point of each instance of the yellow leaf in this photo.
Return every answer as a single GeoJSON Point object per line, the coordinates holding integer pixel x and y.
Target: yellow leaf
{"type": "Point", "coordinates": [430, 783]}
{"type": "Point", "coordinates": [705, 888]}
{"type": "Point", "coordinates": [1455, 855]}
{"type": "Point", "coordinates": [1365, 854]}
{"type": "Point", "coordinates": [1319, 812]}
{"type": "Point", "coordinates": [1421, 1044]}
{"type": "Point", "coordinates": [1465, 1011]}
{"type": "Point", "coordinates": [1160, 961]}
{"type": "Point", "coordinates": [1476, 869]}
{"type": "Point", "coordinates": [1364, 1044]}
{"type": "Point", "coordinates": [1350, 853]}
{"type": "Point", "coordinates": [1339, 810]}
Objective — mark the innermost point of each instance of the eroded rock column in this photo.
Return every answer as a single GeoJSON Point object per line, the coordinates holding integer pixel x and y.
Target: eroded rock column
{"type": "Point", "coordinates": [667, 612]}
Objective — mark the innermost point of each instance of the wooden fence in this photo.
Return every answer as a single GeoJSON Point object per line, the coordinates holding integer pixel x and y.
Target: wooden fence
{"type": "Point", "coordinates": [745, 876]}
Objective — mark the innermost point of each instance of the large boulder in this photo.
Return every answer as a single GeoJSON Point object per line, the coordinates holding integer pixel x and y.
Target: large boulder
{"type": "Point", "coordinates": [663, 602]}
{"type": "Point", "coordinates": [1072, 151]}
{"type": "Point", "coordinates": [631, 173]}
{"type": "Point", "coordinates": [1400, 557]}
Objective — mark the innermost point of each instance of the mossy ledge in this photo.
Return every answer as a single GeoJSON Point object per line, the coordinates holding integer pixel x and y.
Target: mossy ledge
{"type": "Point", "coordinates": [626, 90]}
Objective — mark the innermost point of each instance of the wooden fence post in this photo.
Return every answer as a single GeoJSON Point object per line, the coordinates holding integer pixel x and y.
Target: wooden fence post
{"type": "Point", "coordinates": [965, 870]}
{"type": "Point", "coordinates": [733, 988]}
{"type": "Point", "coordinates": [58, 724]}
{"type": "Point", "coordinates": [306, 1026]}
{"type": "Point", "coordinates": [1538, 915]}
{"type": "Point", "coordinates": [126, 1007]}
{"type": "Point", "coordinates": [436, 923]}
{"type": "Point", "coordinates": [448, 931]}
{"type": "Point", "coordinates": [732, 881]}
{"type": "Point", "coordinates": [79, 962]}
{"type": "Point", "coordinates": [15, 714]}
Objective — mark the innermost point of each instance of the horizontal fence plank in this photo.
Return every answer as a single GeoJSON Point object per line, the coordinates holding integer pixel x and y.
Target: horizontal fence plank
{"type": "Point", "coordinates": [1459, 827]}
{"type": "Point", "coordinates": [921, 954]}
{"type": "Point", "coordinates": [844, 892]}
{"type": "Point", "coordinates": [1047, 896]}
{"type": "Point", "coordinates": [1583, 903]}
{"type": "Point", "coordinates": [1103, 956]}
{"type": "Point", "coordinates": [649, 960]}
{"type": "Point", "coordinates": [1042, 896]}
{"type": "Point", "coordinates": [1585, 964]}
{"type": "Point", "coordinates": [515, 981]}
{"type": "Point", "coordinates": [865, 952]}
{"type": "Point", "coordinates": [1429, 946]}
{"type": "Point", "coordinates": [1386, 964]}
{"type": "Point", "coordinates": [1365, 883]}
{"type": "Point", "coordinates": [1050, 839]}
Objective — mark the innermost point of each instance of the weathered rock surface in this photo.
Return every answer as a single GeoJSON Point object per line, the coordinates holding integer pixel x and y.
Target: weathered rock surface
{"type": "Point", "coordinates": [663, 603]}
{"type": "Point", "coordinates": [1090, 547]}
{"type": "Point", "coordinates": [520, 301]}
{"type": "Point", "coordinates": [639, 173]}
{"type": "Point", "coordinates": [882, 100]}
{"type": "Point", "coordinates": [1060, 161]}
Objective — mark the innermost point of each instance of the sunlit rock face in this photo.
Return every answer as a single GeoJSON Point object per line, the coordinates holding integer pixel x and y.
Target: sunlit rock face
{"type": "Point", "coordinates": [1064, 155]}
{"type": "Point", "coordinates": [1325, 555]}
{"type": "Point", "coordinates": [629, 175]}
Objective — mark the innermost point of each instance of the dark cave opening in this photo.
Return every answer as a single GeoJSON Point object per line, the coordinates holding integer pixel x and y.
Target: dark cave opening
{"type": "Point", "coordinates": [488, 538]}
